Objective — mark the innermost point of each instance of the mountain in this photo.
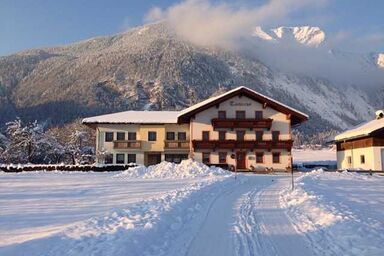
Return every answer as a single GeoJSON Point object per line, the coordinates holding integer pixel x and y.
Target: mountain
{"type": "Point", "coordinates": [306, 35]}
{"type": "Point", "coordinates": [150, 67]}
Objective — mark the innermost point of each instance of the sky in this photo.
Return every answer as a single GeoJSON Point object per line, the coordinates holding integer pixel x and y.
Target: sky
{"type": "Point", "coordinates": [353, 25]}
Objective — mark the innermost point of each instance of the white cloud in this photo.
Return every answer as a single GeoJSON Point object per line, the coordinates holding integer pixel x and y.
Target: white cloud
{"type": "Point", "coordinates": [205, 23]}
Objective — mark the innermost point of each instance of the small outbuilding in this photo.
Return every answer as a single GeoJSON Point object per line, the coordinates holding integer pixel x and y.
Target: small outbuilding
{"type": "Point", "coordinates": [362, 147]}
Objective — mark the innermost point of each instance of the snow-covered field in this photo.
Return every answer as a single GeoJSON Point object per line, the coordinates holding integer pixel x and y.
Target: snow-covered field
{"type": "Point", "coordinates": [308, 155]}
{"type": "Point", "coordinates": [190, 209]}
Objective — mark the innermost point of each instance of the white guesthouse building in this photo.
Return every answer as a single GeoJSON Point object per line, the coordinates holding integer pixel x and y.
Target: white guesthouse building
{"type": "Point", "coordinates": [240, 128]}
{"type": "Point", "coordinates": [362, 147]}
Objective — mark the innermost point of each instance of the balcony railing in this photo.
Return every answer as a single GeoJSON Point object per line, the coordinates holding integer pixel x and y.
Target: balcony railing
{"type": "Point", "coordinates": [176, 144]}
{"type": "Point", "coordinates": [127, 144]}
{"type": "Point", "coordinates": [246, 144]}
{"type": "Point", "coordinates": [249, 123]}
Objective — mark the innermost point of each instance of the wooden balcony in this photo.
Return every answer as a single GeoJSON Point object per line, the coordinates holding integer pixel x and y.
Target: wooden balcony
{"type": "Point", "coordinates": [176, 144]}
{"type": "Point", "coordinates": [127, 144]}
{"type": "Point", "coordinates": [249, 123]}
{"type": "Point", "coordinates": [246, 144]}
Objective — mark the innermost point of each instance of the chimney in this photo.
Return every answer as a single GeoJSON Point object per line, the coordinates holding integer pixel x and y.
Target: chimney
{"type": "Point", "coordinates": [379, 114]}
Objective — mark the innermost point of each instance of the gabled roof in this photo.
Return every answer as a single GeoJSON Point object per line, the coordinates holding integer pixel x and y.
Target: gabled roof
{"type": "Point", "coordinates": [362, 130]}
{"type": "Point", "coordinates": [135, 117]}
{"type": "Point", "coordinates": [296, 116]}
{"type": "Point", "coordinates": [171, 117]}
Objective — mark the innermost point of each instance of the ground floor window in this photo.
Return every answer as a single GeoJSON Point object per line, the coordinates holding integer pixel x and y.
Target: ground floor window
{"type": "Point", "coordinates": [259, 157]}
{"type": "Point", "coordinates": [108, 159]}
{"type": "Point", "coordinates": [349, 160]}
{"type": "Point", "coordinates": [206, 157]}
{"type": "Point", "coordinates": [175, 158]}
{"type": "Point", "coordinates": [120, 158]}
{"type": "Point", "coordinates": [362, 159]}
{"type": "Point", "coordinates": [276, 158]}
{"type": "Point", "coordinates": [222, 157]}
{"type": "Point", "coordinates": [131, 158]}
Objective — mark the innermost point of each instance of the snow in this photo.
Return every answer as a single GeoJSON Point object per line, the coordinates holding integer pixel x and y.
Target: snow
{"type": "Point", "coordinates": [186, 169]}
{"type": "Point", "coordinates": [182, 209]}
{"type": "Point", "coordinates": [142, 117]}
{"type": "Point", "coordinates": [339, 212]}
{"type": "Point", "coordinates": [308, 155]}
{"type": "Point", "coordinates": [361, 130]}
{"type": "Point", "coordinates": [380, 60]}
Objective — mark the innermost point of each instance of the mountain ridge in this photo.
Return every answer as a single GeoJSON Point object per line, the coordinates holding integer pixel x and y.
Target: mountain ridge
{"type": "Point", "coordinates": [151, 68]}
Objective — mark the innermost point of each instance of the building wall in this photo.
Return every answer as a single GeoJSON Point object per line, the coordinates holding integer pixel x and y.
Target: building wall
{"type": "Point", "coordinates": [202, 122]}
{"type": "Point", "coordinates": [373, 158]}
{"type": "Point", "coordinates": [141, 134]}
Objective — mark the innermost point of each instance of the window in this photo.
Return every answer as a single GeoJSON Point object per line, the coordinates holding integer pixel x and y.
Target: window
{"type": "Point", "coordinates": [151, 136]}
{"type": "Point", "coordinates": [258, 115]}
{"type": "Point", "coordinates": [131, 158]}
{"type": "Point", "coordinates": [276, 158]}
{"type": "Point", "coordinates": [259, 157]}
{"type": "Point", "coordinates": [206, 157]}
{"type": "Point", "coordinates": [120, 135]}
{"type": "Point", "coordinates": [222, 115]}
{"type": "Point", "coordinates": [362, 159]}
{"type": "Point", "coordinates": [222, 135]}
{"type": "Point", "coordinates": [170, 136]}
{"type": "Point", "coordinates": [222, 157]}
{"type": "Point", "coordinates": [182, 136]}
{"type": "Point", "coordinates": [349, 159]}
{"type": "Point", "coordinates": [205, 135]}
{"type": "Point", "coordinates": [240, 114]}
{"type": "Point", "coordinates": [108, 136]}
{"type": "Point", "coordinates": [120, 158]}
{"type": "Point", "coordinates": [131, 136]}
{"type": "Point", "coordinates": [275, 135]}
{"type": "Point", "coordinates": [259, 135]}
{"type": "Point", "coordinates": [108, 159]}
{"type": "Point", "coordinates": [240, 135]}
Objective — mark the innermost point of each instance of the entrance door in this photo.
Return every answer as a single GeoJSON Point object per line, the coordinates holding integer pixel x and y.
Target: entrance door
{"type": "Point", "coordinates": [240, 160]}
{"type": "Point", "coordinates": [153, 158]}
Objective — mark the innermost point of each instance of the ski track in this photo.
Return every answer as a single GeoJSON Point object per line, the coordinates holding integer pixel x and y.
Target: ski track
{"type": "Point", "coordinates": [247, 220]}
{"type": "Point", "coordinates": [263, 228]}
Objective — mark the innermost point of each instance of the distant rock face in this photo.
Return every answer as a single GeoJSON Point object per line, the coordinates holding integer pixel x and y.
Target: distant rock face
{"type": "Point", "coordinates": [151, 68]}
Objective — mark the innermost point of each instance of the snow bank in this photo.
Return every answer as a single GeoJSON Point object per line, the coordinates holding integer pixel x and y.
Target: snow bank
{"type": "Point", "coordinates": [341, 212]}
{"type": "Point", "coordinates": [186, 169]}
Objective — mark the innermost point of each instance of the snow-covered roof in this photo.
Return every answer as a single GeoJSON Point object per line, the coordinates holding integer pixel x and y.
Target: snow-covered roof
{"type": "Point", "coordinates": [161, 117]}
{"type": "Point", "coordinates": [361, 130]}
{"type": "Point", "coordinates": [212, 99]}
{"type": "Point", "coordinates": [135, 117]}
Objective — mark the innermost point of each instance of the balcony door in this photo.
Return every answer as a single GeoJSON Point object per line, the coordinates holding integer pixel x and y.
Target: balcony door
{"type": "Point", "coordinates": [240, 160]}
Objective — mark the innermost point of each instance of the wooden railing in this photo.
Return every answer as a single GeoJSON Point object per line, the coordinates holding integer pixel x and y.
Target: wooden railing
{"type": "Point", "coordinates": [246, 144]}
{"type": "Point", "coordinates": [127, 144]}
{"type": "Point", "coordinates": [249, 123]}
{"type": "Point", "coordinates": [176, 144]}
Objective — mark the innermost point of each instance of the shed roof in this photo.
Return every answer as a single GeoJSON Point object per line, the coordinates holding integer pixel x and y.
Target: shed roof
{"type": "Point", "coordinates": [361, 130]}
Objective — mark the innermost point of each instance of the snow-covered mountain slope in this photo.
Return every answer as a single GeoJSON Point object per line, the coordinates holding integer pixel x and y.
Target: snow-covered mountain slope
{"type": "Point", "coordinates": [150, 67]}
{"type": "Point", "coordinates": [306, 35]}
{"type": "Point", "coordinates": [380, 60]}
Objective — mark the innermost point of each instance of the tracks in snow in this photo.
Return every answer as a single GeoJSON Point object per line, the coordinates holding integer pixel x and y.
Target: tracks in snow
{"type": "Point", "coordinates": [263, 228]}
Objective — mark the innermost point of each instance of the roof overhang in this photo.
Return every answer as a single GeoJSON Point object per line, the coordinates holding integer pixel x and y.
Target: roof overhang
{"type": "Point", "coordinates": [296, 116]}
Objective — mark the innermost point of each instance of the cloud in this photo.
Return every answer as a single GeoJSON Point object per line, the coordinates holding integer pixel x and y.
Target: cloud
{"type": "Point", "coordinates": [206, 23]}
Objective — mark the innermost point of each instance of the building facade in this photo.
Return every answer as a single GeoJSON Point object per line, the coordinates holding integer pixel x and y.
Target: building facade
{"type": "Point", "coordinates": [362, 147]}
{"type": "Point", "coordinates": [240, 128]}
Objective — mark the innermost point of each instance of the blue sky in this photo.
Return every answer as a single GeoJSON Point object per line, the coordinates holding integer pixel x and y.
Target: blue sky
{"type": "Point", "coordinates": [354, 25]}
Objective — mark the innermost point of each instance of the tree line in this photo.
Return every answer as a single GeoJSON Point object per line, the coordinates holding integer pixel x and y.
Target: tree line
{"type": "Point", "coordinates": [31, 142]}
